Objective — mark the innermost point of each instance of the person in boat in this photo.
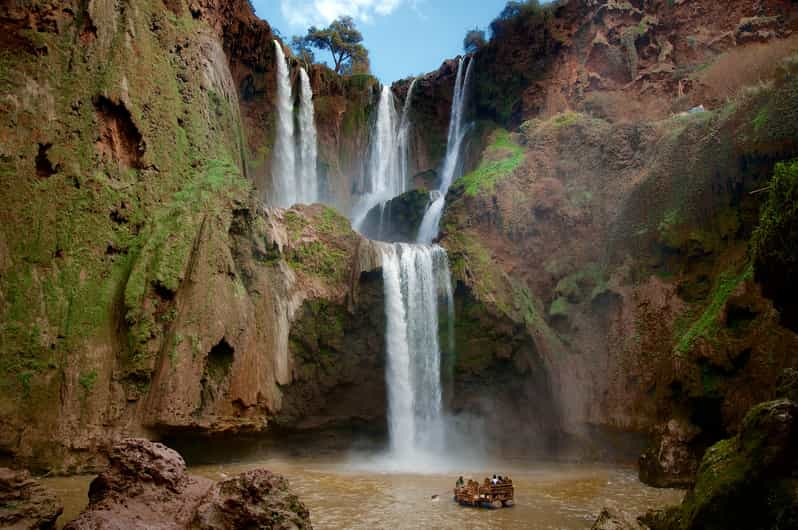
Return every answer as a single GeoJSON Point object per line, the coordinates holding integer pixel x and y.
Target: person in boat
{"type": "Point", "coordinates": [501, 480]}
{"type": "Point", "coordinates": [494, 480]}
{"type": "Point", "coordinates": [460, 483]}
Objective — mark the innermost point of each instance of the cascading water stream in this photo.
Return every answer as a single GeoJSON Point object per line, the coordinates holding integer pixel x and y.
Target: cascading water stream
{"type": "Point", "coordinates": [284, 161]}
{"type": "Point", "coordinates": [307, 177]}
{"type": "Point", "coordinates": [403, 138]}
{"type": "Point", "coordinates": [415, 277]}
{"type": "Point", "coordinates": [430, 224]}
{"type": "Point", "coordinates": [383, 179]}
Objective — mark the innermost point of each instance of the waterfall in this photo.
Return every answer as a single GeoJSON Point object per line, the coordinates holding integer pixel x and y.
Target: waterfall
{"type": "Point", "coordinates": [452, 164]}
{"type": "Point", "coordinates": [403, 138]}
{"type": "Point", "coordinates": [383, 179]}
{"type": "Point", "coordinates": [308, 184]}
{"type": "Point", "coordinates": [284, 163]}
{"type": "Point", "coordinates": [415, 278]}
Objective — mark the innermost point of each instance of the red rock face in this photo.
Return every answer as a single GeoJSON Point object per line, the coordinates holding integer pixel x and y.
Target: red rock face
{"type": "Point", "coordinates": [595, 188]}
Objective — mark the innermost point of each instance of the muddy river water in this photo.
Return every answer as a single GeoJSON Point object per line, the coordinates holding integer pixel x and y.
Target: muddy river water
{"type": "Point", "coordinates": [344, 493]}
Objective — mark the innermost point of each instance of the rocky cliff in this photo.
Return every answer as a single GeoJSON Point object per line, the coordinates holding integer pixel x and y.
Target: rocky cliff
{"type": "Point", "coordinates": [144, 289]}
{"type": "Point", "coordinates": [599, 239]}
{"type": "Point", "coordinates": [611, 228]}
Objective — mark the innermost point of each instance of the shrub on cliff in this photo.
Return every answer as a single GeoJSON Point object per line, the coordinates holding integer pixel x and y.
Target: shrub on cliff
{"type": "Point", "coordinates": [474, 40]}
{"type": "Point", "coordinates": [516, 13]}
{"type": "Point", "coordinates": [774, 245]}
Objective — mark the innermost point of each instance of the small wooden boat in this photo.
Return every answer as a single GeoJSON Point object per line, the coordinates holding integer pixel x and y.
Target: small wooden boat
{"type": "Point", "coordinates": [486, 495]}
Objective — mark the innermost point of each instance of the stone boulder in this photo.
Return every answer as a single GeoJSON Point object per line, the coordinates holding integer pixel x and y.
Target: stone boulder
{"type": "Point", "coordinates": [672, 460]}
{"type": "Point", "coordinates": [399, 219]}
{"type": "Point", "coordinates": [24, 503]}
{"type": "Point", "coordinates": [146, 487]}
{"type": "Point", "coordinates": [748, 481]}
{"type": "Point", "coordinates": [610, 519]}
{"type": "Point", "coordinates": [255, 499]}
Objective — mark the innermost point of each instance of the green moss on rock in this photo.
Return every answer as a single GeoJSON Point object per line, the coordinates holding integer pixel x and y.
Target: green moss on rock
{"type": "Point", "coordinates": [500, 159]}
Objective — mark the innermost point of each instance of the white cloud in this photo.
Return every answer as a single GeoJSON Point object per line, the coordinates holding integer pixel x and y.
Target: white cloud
{"type": "Point", "coordinates": [304, 13]}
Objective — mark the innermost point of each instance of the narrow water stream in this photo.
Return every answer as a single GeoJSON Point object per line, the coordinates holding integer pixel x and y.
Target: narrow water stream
{"type": "Point", "coordinates": [342, 496]}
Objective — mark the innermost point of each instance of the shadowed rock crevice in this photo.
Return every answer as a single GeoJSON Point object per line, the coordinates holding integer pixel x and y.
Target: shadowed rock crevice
{"type": "Point", "coordinates": [119, 140]}
{"type": "Point", "coordinates": [44, 168]}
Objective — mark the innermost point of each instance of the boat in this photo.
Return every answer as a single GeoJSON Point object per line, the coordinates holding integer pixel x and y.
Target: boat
{"type": "Point", "coordinates": [485, 495]}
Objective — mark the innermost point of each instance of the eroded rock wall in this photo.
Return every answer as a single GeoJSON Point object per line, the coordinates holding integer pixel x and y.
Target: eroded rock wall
{"type": "Point", "coordinates": [144, 289]}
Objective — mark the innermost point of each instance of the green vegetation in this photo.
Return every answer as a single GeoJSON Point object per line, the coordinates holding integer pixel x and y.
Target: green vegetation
{"type": "Point", "coordinates": [708, 323]}
{"type": "Point", "coordinates": [500, 159]}
{"type": "Point", "coordinates": [582, 285]}
{"type": "Point", "coordinates": [295, 224]}
{"type": "Point", "coordinates": [560, 307]}
{"type": "Point", "coordinates": [775, 240]}
{"type": "Point", "coordinates": [343, 40]}
{"type": "Point", "coordinates": [320, 259]}
{"type": "Point", "coordinates": [87, 380]}
{"type": "Point", "coordinates": [111, 230]}
{"type": "Point", "coordinates": [333, 223]}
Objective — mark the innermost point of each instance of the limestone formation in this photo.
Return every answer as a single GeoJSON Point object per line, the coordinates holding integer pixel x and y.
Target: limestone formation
{"type": "Point", "coordinates": [24, 504]}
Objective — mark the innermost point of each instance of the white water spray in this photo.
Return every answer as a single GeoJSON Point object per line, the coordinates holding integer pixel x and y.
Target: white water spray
{"type": "Point", "coordinates": [307, 178]}
{"type": "Point", "coordinates": [452, 165]}
{"type": "Point", "coordinates": [383, 179]}
{"type": "Point", "coordinates": [403, 138]}
{"type": "Point", "coordinates": [284, 162]}
{"type": "Point", "coordinates": [415, 278]}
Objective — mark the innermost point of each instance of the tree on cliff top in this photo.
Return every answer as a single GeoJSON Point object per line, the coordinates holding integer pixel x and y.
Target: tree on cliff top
{"type": "Point", "coordinates": [474, 40]}
{"type": "Point", "coordinates": [343, 40]}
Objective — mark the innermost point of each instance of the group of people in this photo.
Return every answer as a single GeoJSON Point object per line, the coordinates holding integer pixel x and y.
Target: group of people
{"type": "Point", "coordinates": [496, 480]}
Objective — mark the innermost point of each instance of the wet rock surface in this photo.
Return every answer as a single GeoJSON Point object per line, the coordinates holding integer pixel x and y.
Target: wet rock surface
{"type": "Point", "coordinates": [611, 519]}
{"type": "Point", "coordinates": [399, 219]}
{"type": "Point", "coordinates": [671, 461]}
{"type": "Point", "coordinates": [748, 481]}
{"type": "Point", "coordinates": [25, 504]}
{"type": "Point", "coordinates": [255, 499]}
{"type": "Point", "coordinates": [146, 486]}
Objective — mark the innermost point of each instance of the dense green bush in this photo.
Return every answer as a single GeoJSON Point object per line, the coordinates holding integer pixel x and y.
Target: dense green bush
{"type": "Point", "coordinates": [774, 245]}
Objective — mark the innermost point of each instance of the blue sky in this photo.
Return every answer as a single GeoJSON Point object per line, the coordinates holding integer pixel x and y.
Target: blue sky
{"type": "Point", "coordinates": [404, 37]}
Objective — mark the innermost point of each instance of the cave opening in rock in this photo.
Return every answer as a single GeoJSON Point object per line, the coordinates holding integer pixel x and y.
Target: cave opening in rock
{"type": "Point", "coordinates": [44, 168]}
{"type": "Point", "coordinates": [220, 361]}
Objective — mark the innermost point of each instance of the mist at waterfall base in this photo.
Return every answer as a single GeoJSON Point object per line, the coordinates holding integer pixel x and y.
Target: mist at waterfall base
{"type": "Point", "coordinates": [417, 283]}
{"type": "Point", "coordinates": [422, 437]}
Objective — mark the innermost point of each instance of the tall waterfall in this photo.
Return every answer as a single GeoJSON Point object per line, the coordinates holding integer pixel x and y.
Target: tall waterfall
{"type": "Point", "coordinates": [284, 162]}
{"type": "Point", "coordinates": [415, 278]}
{"type": "Point", "coordinates": [383, 179]}
{"type": "Point", "coordinates": [452, 165]}
{"type": "Point", "coordinates": [403, 138]}
{"type": "Point", "coordinates": [307, 178]}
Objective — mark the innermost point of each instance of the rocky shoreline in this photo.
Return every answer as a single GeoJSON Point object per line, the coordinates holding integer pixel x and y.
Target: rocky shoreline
{"type": "Point", "coordinates": [146, 486]}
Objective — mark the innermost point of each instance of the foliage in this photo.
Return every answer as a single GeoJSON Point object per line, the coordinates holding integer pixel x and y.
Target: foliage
{"type": "Point", "coordinates": [708, 322]}
{"type": "Point", "coordinates": [303, 51]}
{"type": "Point", "coordinates": [87, 380]}
{"type": "Point", "coordinates": [774, 245]}
{"type": "Point", "coordinates": [515, 12]}
{"type": "Point", "coordinates": [776, 237]}
{"type": "Point", "coordinates": [343, 40]}
{"type": "Point", "coordinates": [474, 40]}
{"type": "Point", "coordinates": [501, 158]}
